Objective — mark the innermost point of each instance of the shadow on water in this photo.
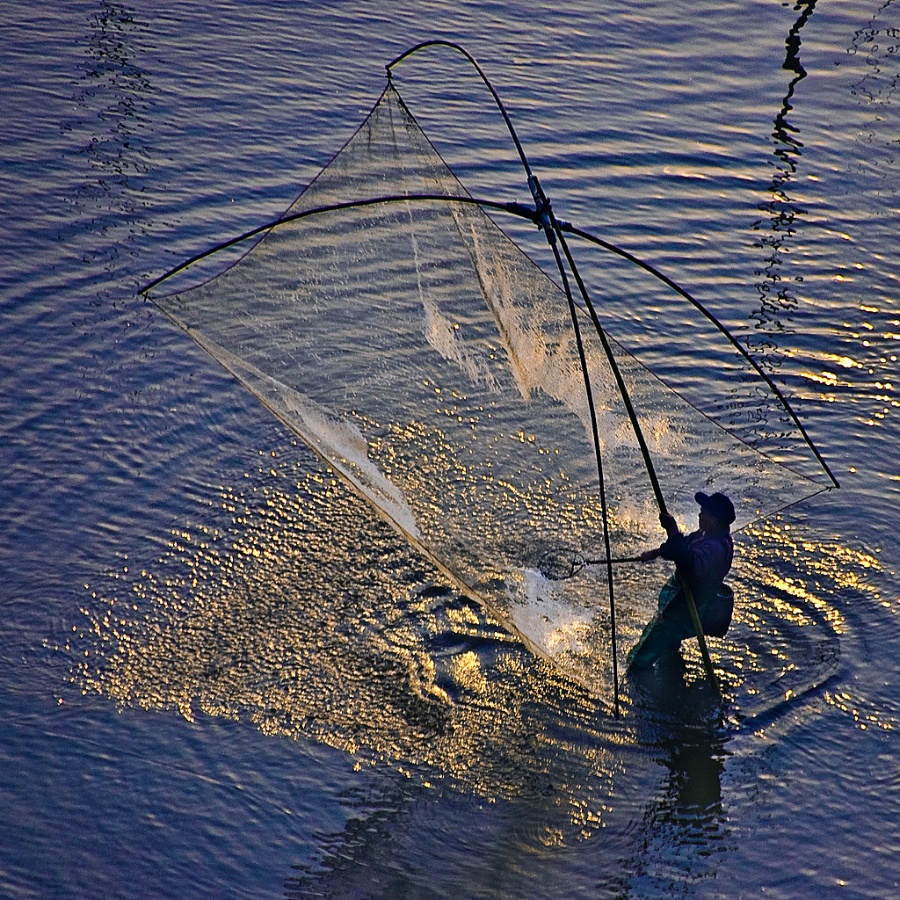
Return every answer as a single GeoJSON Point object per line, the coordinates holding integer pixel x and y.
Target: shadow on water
{"type": "Point", "coordinates": [776, 300]}
{"type": "Point", "coordinates": [403, 843]}
{"type": "Point", "coordinates": [879, 44]}
{"type": "Point", "coordinates": [685, 828]}
{"type": "Point", "coordinates": [113, 99]}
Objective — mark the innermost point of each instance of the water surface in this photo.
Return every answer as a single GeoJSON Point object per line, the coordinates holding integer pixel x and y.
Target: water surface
{"type": "Point", "coordinates": [222, 674]}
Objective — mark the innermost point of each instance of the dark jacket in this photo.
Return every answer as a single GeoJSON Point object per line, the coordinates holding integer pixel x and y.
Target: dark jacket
{"type": "Point", "coordinates": [703, 559]}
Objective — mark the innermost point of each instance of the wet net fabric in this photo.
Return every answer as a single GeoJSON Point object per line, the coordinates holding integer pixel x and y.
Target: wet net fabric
{"type": "Point", "coordinates": [432, 365]}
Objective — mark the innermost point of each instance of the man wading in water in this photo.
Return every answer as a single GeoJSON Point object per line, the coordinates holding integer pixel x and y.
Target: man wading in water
{"type": "Point", "coordinates": [702, 559]}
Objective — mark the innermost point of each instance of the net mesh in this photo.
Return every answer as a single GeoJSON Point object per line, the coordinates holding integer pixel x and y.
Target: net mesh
{"type": "Point", "coordinates": [432, 365]}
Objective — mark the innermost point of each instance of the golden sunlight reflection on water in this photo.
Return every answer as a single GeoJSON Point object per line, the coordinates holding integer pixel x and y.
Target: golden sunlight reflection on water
{"type": "Point", "coordinates": [789, 625]}
{"type": "Point", "coordinates": [295, 627]}
{"type": "Point", "coordinates": [312, 620]}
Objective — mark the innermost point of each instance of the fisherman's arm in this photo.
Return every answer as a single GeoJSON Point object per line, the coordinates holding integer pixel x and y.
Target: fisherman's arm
{"type": "Point", "coordinates": [671, 528]}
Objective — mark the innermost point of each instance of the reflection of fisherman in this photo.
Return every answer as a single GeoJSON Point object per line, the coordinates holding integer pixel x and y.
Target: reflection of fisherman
{"type": "Point", "coordinates": [702, 560]}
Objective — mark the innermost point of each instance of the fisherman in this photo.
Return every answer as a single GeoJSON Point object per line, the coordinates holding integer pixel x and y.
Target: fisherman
{"type": "Point", "coordinates": [702, 560]}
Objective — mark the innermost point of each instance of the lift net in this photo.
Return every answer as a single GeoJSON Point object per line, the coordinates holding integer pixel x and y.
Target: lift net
{"type": "Point", "coordinates": [432, 365]}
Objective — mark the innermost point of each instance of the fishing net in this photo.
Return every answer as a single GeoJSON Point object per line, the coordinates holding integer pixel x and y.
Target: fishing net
{"type": "Point", "coordinates": [427, 360]}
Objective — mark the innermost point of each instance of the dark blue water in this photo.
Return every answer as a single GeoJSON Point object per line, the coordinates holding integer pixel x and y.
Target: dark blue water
{"type": "Point", "coordinates": [221, 674]}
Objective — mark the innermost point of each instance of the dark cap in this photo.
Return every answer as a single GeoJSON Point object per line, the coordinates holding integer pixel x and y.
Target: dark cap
{"type": "Point", "coordinates": [717, 505]}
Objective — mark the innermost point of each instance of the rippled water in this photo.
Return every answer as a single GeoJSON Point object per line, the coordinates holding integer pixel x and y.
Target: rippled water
{"type": "Point", "coordinates": [222, 675]}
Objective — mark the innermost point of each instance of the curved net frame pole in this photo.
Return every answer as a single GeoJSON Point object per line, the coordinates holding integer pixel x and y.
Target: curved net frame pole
{"type": "Point", "coordinates": [604, 510]}
{"type": "Point", "coordinates": [485, 80]}
{"type": "Point", "coordinates": [642, 443]}
{"type": "Point", "coordinates": [516, 209]}
{"type": "Point", "coordinates": [652, 270]}
{"type": "Point", "coordinates": [544, 217]}
{"type": "Point", "coordinates": [645, 450]}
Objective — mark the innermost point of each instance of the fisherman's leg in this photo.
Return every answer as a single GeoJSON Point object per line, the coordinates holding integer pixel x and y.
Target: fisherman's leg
{"type": "Point", "coordinates": [660, 639]}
